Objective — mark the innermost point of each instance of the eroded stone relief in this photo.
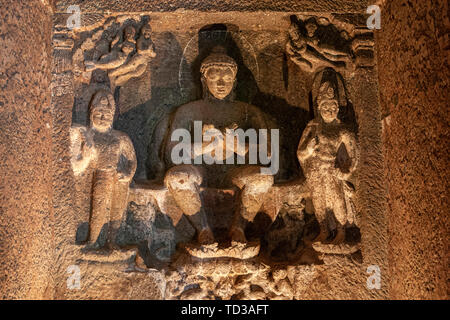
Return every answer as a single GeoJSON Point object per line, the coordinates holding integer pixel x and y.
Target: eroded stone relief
{"type": "Point", "coordinates": [126, 60]}
{"type": "Point", "coordinates": [221, 230]}
{"type": "Point", "coordinates": [315, 42]}
{"type": "Point", "coordinates": [110, 155]}
{"type": "Point", "coordinates": [115, 50]}
{"type": "Point", "coordinates": [328, 155]}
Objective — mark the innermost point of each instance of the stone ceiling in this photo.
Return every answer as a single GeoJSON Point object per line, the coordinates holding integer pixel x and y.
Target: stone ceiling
{"type": "Point", "coordinates": [336, 6]}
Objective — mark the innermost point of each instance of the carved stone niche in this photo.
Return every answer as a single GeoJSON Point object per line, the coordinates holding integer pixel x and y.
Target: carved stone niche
{"type": "Point", "coordinates": [231, 207]}
{"type": "Point", "coordinates": [185, 225]}
{"type": "Point", "coordinates": [283, 239]}
{"type": "Point", "coordinates": [329, 154]}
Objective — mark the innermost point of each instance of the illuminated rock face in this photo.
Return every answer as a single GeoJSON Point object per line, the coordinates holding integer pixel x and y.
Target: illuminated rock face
{"type": "Point", "coordinates": [191, 217]}
{"type": "Point", "coordinates": [26, 213]}
{"type": "Point", "coordinates": [127, 219]}
{"type": "Point", "coordinates": [415, 163]}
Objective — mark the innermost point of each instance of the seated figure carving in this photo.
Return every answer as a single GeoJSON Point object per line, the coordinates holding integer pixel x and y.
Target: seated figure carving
{"type": "Point", "coordinates": [218, 112]}
{"type": "Point", "coordinates": [322, 146]}
{"type": "Point", "coordinates": [108, 153]}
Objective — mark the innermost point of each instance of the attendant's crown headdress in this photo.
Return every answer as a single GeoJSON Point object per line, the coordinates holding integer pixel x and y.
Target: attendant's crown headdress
{"type": "Point", "coordinates": [326, 93]}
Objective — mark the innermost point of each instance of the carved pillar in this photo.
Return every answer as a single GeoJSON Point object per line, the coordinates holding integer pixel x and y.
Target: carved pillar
{"type": "Point", "coordinates": [63, 181]}
{"type": "Point", "coordinates": [413, 73]}
{"type": "Point", "coordinates": [372, 191]}
{"type": "Point", "coordinates": [26, 258]}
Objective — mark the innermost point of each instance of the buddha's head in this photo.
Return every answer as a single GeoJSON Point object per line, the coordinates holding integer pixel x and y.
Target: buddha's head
{"type": "Point", "coordinates": [328, 105]}
{"type": "Point", "coordinates": [102, 111]}
{"type": "Point", "coordinates": [218, 72]}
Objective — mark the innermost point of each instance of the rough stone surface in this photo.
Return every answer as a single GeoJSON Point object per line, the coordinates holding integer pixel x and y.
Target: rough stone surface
{"type": "Point", "coordinates": [413, 71]}
{"type": "Point", "coordinates": [114, 276]}
{"type": "Point", "coordinates": [26, 215]}
{"type": "Point", "coordinates": [216, 5]}
{"type": "Point", "coordinates": [256, 279]}
{"type": "Point", "coordinates": [267, 79]}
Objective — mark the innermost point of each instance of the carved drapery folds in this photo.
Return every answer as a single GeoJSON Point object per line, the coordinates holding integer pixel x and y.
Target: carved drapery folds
{"type": "Point", "coordinates": [328, 154]}
{"type": "Point", "coordinates": [110, 157]}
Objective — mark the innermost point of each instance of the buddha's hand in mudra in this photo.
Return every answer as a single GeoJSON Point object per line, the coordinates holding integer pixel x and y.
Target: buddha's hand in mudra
{"type": "Point", "coordinates": [232, 142]}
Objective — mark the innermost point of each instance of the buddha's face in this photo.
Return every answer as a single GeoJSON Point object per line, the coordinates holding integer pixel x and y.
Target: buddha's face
{"type": "Point", "coordinates": [329, 110]}
{"type": "Point", "coordinates": [102, 115]}
{"type": "Point", "coordinates": [220, 81]}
